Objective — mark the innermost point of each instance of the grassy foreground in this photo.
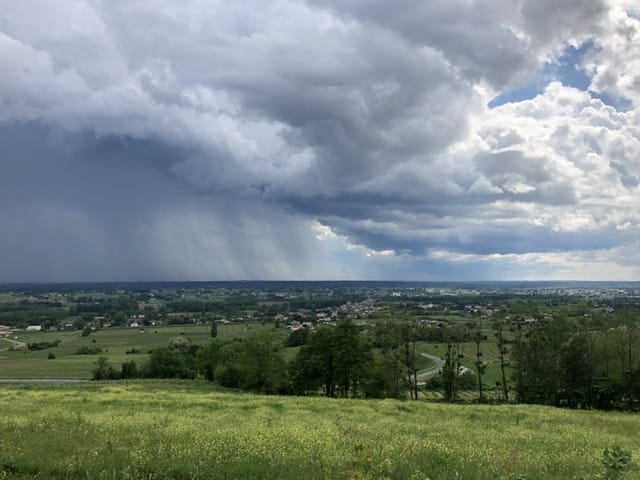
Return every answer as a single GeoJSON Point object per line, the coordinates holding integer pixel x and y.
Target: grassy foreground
{"type": "Point", "coordinates": [161, 430]}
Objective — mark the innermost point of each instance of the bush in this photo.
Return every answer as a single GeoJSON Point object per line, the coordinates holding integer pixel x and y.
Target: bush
{"type": "Point", "coordinates": [129, 370]}
{"type": "Point", "coordinates": [104, 370]}
{"type": "Point", "coordinates": [51, 356]}
{"type": "Point", "coordinates": [171, 363]}
{"type": "Point", "coordinates": [88, 351]}
{"type": "Point", "coordinates": [229, 376]}
{"type": "Point", "coordinates": [42, 345]}
{"type": "Point", "coordinates": [615, 461]}
{"type": "Point", "coordinates": [298, 337]}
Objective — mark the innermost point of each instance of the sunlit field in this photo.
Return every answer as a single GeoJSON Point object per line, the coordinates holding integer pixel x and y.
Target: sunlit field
{"type": "Point", "coordinates": [157, 430]}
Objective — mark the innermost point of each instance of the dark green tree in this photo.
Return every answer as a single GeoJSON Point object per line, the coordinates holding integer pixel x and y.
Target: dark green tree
{"type": "Point", "coordinates": [298, 337]}
{"type": "Point", "coordinates": [336, 360]}
{"type": "Point", "coordinates": [129, 370]}
{"type": "Point", "coordinates": [103, 370]}
{"type": "Point", "coordinates": [262, 364]}
{"type": "Point", "coordinates": [208, 358]}
{"type": "Point", "coordinates": [387, 375]}
{"type": "Point", "coordinates": [451, 372]}
{"type": "Point", "coordinates": [214, 328]}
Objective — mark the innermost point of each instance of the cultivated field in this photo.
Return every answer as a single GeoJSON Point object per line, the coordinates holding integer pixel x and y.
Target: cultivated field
{"type": "Point", "coordinates": [161, 430]}
{"type": "Point", "coordinates": [115, 343]}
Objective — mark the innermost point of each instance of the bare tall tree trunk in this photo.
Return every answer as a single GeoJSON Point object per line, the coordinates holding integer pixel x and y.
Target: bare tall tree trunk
{"type": "Point", "coordinates": [479, 364]}
{"type": "Point", "coordinates": [415, 371]}
{"type": "Point", "coordinates": [502, 349]}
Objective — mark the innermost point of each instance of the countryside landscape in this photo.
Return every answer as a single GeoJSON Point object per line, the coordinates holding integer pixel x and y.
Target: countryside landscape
{"type": "Point", "coordinates": [321, 380]}
{"type": "Point", "coordinates": [320, 239]}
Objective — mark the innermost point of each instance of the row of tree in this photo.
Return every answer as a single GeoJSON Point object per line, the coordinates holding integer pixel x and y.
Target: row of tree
{"type": "Point", "coordinates": [579, 364]}
{"type": "Point", "coordinates": [570, 362]}
{"type": "Point", "coordinates": [335, 361]}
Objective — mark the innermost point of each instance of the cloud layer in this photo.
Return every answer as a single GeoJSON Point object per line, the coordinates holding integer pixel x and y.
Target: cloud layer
{"type": "Point", "coordinates": [316, 139]}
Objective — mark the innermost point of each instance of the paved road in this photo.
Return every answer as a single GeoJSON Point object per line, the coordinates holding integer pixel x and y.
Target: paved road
{"type": "Point", "coordinates": [429, 372]}
{"type": "Point", "coordinates": [16, 344]}
{"type": "Point", "coordinates": [43, 380]}
{"type": "Point", "coordinates": [437, 368]}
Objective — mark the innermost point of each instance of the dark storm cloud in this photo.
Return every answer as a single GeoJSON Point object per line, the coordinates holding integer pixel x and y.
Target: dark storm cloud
{"type": "Point", "coordinates": [150, 141]}
{"type": "Point", "coordinates": [106, 209]}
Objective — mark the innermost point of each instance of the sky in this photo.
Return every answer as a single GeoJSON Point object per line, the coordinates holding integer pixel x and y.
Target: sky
{"type": "Point", "coordinates": [319, 139]}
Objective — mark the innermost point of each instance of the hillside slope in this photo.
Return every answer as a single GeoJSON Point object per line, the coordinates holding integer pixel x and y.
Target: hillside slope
{"type": "Point", "coordinates": [181, 430]}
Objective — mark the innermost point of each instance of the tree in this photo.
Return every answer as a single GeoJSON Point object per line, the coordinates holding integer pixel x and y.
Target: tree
{"type": "Point", "coordinates": [314, 365]}
{"type": "Point", "coordinates": [503, 350]}
{"type": "Point", "coordinates": [119, 319]}
{"type": "Point", "coordinates": [387, 377]}
{"type": "Point", "coordinates": [227, 372]}
{"type": "Point", "coordinates": [103, 370]}
{"type": "Point", "coordinates": [129, 370]}
{"type": "Point", "coordinates": [214, 329]}
{"type": "Point", "coordinates": [177, 360]}
{"type": "Point", "coordinates": [576, 372]}
{"type": "Point", "coordinates": [627, 347]}
{"type": "Point", "coordinates": [298, 337]}
{"type": "Point", "coordinates": [451, 372]}
{"type": "Point", "coordinates": [537, 372]}
{"type": "Point", "coordinates": [262, 365]}
{"type": "Point", "coordinates": [479, 364]}
{"type": "Point", "coordinates": [208, 358]}
{"type": "Point", "coordinates": [335, 359]}
{"type": "Point", "coordinates": [352, 355]}
{"type": "Point", "coordinates": [408, 332]}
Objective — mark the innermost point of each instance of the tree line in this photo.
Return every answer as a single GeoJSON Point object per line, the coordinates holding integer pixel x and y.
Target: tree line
{"type": "Point", "coordinates": [590, 363]}
{"type": "Point", "coordinates": [335, 361]}
{"type": "Point", "coordinates": [566, 361]}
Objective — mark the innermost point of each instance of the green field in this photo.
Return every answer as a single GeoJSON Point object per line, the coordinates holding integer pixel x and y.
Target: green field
{"type": "Point", "coordinates": [158, 430]}
{"type": "Point", "coordinates": [490, 356]}
{"type": "Point", "coordinates": [7, 298]}
{"type": "Point", "coordinates": [115, 342]}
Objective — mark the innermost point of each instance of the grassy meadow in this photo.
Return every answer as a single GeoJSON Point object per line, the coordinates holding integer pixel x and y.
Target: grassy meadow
{"type": "Point", "coordinates": [115, 342]}
{"type": "Point", "coordinates": [158, 430]}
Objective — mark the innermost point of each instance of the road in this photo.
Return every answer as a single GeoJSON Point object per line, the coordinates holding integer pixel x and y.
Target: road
{"type": "Point", "coordinates": [16, 344]}
{"type": "Point", "coordinates": [437, 368]}
{"type": "Point", "coordinates": [431, 371]}
{"type": "Point", "coordinates": [43, 380]}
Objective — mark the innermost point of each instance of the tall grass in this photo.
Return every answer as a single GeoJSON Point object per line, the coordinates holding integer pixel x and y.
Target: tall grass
{"type": "Point", "coordinates": [156, 430]}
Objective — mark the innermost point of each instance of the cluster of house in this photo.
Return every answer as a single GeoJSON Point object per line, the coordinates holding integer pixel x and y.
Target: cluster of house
{"type": "Point", "coordinates": [359, 309]}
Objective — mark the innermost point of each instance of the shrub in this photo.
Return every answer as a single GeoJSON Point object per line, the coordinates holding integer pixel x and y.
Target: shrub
{"type": "Point", "coordinates": [129, 370]}
{"type": "Point", "coordinates": [229, 376]}
{"type": "Point", "coordinates": [88, 351]}
{"type": "Point", "coordinates": [42, 345]}
{"type": "Point", "coordinates": [615, 461]}
{"type": "Point", "coordinates": [104, 370]}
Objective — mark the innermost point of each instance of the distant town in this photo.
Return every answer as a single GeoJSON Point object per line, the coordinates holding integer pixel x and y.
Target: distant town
{"type": "Point", "coordinates": [294, 305]}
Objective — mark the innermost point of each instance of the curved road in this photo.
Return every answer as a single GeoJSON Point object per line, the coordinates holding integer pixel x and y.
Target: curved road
{"type": "Point", "coordinates": [16, 344]}
{"type": "Point", "coordinates": [437, 368]}
{"type": "Point", "coordinates": [431, 371]}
